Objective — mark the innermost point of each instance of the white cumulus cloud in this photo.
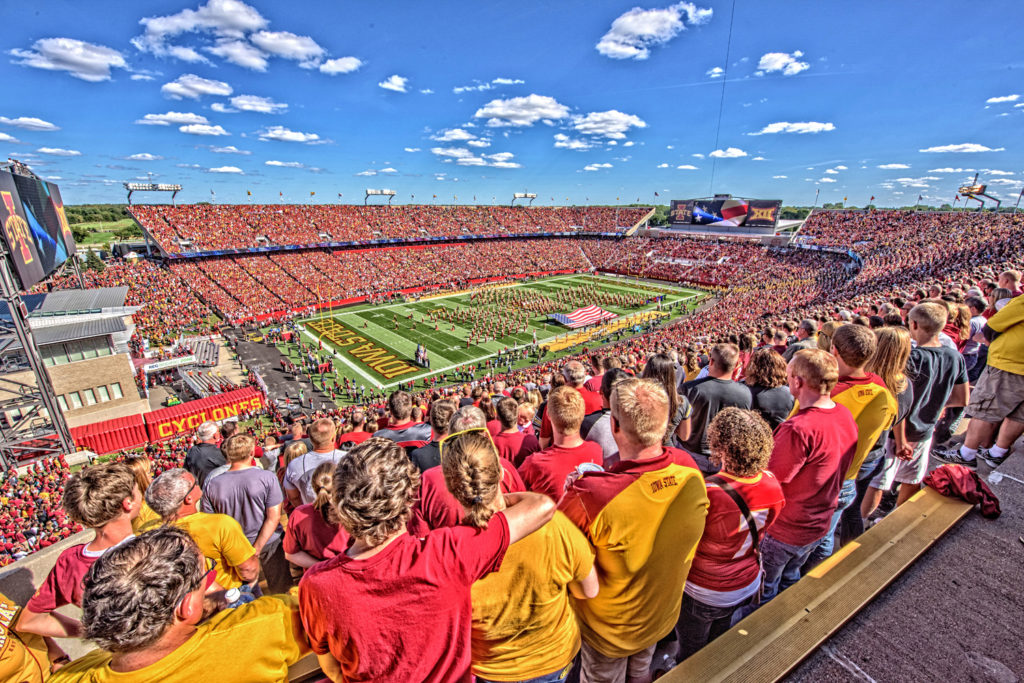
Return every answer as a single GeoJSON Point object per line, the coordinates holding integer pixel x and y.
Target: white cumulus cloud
{"type": "Point", "coordinates": [728, 153]}
{"type": "Point", "coordinates": [287, 135]}
{"type": "Point", "coordinates": [226, 19]}
{"type": "Point", "coordinates": [194, 87]}
{"type": "Point", "coordinates": [453, 135]}
{"type": "Point", "coordinates": [826, 180]}
{"type": "Point", "coordinates": [59, 152]}
{"type": "Point", "coordinates": [241, 53]}
{"type": "Point", "coordinates": [176, 118]}
{"type": "Point", "coordinates": [412, 149]}
{"type": "Point", "coordinates": [716, 72]}
{"type": "Point", "coordinates": [786, 63]}
{"type": "Point", "coordinates": [610, 124]}
{"type": "Point", "coordinates": [87, 61]}
{"type": "Point", "coordinates": [596, 167]}
{"type": "Point", "coordinates": [144, 156]}
{"type": "Point", "coordinates": [395, 82]}
{"type": "Point", "coordinates": [662, 165]}
{"type": "Point", "coordinates": [893, 166]}
{"type": "Point", "coordinates": [4, 137]}
{"type": "Point", "coordinates": [29, 123]}
{"type": "Point", "coordinates": [963, 147]}
{"type": "Point", "coordinates": [799, 127]}
{"type": "Point", "coordinates": [225, 169]}
{"type": "Point", "coordinates": [341, 65]}
{"type": "Point", "coordinates": [229, 149]}
{"type": "Point", "coordinates": [287, 45]}
{"type": "Point", "coordinates": [779, 177]}
{"type": "Point", "coordinates": [686, 167]}
{"type": "Point", "coordinates": [634, 33]}
{"type": "Point", "coordinates": [1004, 98]}
{"type": "Point", "coordinates": [203, 129]}
{"type": "Point", "coordinates": [521, 111]}
{"type": "Point", "coordinates": [563, 141]}
{"type": "Point", "coordinates": [261, 105]}
{"type": "Point", "coordinates": [284, 164]}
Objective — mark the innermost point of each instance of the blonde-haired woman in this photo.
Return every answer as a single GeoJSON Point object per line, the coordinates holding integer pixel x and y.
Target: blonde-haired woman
{"type": "Point", "coordinates": [142, 469]}
{"type": "Point", "coordinates": [889, 363]}
{"type": "Point", "coordinates": [314, 526]}
{"type": "Point", "coordinates": [534, 582]}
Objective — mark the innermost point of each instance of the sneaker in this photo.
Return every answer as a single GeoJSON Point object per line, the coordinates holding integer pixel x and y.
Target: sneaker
{"type": "Point", "coordinates": [990, 459]}
{"type": "Point", "coordinates": [952, 456]}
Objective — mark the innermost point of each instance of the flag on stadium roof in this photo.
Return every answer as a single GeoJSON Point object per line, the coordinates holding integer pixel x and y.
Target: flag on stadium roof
{"type": "Point", "coordinates": [583, 316]}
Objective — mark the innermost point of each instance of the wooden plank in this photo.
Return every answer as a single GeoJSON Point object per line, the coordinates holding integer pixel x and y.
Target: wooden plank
{"type": "Point", "coordinates": [768, 644]}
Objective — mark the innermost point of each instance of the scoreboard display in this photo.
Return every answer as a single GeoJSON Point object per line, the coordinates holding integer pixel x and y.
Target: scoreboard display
{"type": "Point", "coordinates": [35, 230]}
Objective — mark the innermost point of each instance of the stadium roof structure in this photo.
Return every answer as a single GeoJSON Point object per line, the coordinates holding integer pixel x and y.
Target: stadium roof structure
{"type": "Point", "coordinates": [57, 334]}
{"type": "Point", "coordinates": [71, 301]}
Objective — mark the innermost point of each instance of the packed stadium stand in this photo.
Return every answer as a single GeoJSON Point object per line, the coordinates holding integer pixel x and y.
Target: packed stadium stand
{"type": "Point", "coordinates": [205, 227]}
{"type": "Point", "coordinates": [843, 267]}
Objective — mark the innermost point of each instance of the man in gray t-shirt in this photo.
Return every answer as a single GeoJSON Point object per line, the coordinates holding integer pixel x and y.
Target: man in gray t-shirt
{"type": "Point", "coordinates": [298, 477]}
{"type": "Point", "coordinates": [253, 497]}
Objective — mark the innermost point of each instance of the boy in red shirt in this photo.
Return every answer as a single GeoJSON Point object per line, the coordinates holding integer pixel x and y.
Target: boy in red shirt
{"type": "Point", "coordinates": [105, 498]}
{"type": "Point", "coordinates": [546, 470]}
{"type": "Point", "coordinates": [512, 444]}
{"type": "Point", "coordinates": [813, 450]}
{"type": "Point", "coordinates": [417, 590]}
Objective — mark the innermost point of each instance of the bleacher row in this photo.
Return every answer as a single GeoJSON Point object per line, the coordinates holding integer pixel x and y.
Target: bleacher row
{"type": "Point", "coordinates": [203, 227]}
{"type": "Point", "coordinates": [205, 383]}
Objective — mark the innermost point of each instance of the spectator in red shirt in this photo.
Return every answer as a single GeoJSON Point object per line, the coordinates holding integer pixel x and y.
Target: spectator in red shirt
{"type": "Point", "coordinates": [575, 375]}
{"type": "Point", "coordinates": [312, 527]}
{"type": "Point", "coordinates": [513, 445]}
{"type": "Point", "coordinates": [726, 571]}
{"type": "Point", "coordinates": [357, 434]}
{"type": "Point", "coordinates": [416, 589]}
{"type": "Point", "coordinates": [106, 499]}
{"type": "Point", "coordinates": [813, 450]}
{"type": "Point", "coordinates": [546, 470]}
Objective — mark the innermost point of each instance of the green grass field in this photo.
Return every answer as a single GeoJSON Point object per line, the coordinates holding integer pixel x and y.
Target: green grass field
{"type": "Point", "coordinates": [369, 350]}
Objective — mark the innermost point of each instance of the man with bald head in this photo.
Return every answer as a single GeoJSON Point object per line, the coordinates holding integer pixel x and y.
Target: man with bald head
{"type": "Point", "coordinates": [642, 568]}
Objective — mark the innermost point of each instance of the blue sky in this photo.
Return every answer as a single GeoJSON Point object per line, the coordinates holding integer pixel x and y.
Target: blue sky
{"type": "Point", "coordinates": [580, 100]}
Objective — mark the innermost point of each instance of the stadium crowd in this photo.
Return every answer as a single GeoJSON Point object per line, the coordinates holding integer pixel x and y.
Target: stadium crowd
{"type": "Point", "coordinates": [243, 287]}
{"type": "Point", "coordinates": [517, 483]}
{"type": "Point", "coordinates": [205, 227]}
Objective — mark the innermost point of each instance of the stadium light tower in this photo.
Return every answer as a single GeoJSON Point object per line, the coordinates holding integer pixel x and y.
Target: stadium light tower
{"type": "Point", "coordinates": [174, 189]}
{"type": "Point", "coordinates": [523, 195]}
{"type": "Point", "coordinates": [390, 194]}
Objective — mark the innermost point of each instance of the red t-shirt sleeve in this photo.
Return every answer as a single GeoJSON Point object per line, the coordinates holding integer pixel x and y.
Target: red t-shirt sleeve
{"type": "Point", "coordinates": [292, 542]}
{"type": "Point", "coordinates": [57, 589]}
{"type": "Point", "coordinates": [573, 507]}
{"type": "Point", "coordinates": [478, 552]}
{"type": "Point", "coordinates": [789, 454]}
{"type": "Point", "coordinates": [511, 482]}
{"type": "Point", "coordinates": [545, 426]}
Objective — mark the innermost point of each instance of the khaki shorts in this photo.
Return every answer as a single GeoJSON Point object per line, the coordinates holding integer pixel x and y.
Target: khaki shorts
{"type": "Point", "coordinates": [598, 668]}
{"type": "Point", "coordinates": [998, 395]}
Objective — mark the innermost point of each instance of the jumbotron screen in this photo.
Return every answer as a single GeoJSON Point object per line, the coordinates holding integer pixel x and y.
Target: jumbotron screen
{"type": "Point", "coordinates": [35, 229]}
{"type": "Point", "coordinates": [753, 213]}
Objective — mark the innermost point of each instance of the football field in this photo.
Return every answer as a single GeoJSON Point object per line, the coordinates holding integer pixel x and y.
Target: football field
{"type": "Point", "coordinates": [376, 345]}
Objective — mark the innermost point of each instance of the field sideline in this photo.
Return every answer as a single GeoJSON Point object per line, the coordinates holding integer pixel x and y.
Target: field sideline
{"type": "Point", "coordinates": [369, 350]}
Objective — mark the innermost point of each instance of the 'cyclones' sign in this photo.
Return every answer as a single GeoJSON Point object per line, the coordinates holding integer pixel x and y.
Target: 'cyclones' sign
{"type": "Point", "coordinates": [161, 424]}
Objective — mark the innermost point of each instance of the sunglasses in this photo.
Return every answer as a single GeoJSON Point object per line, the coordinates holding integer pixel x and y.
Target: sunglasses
{"type": "Point", "coordinates": [195, 484]}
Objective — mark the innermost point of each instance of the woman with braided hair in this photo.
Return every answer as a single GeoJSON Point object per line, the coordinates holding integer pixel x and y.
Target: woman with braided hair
{"type": "Point", "coordinates": [524, 628]}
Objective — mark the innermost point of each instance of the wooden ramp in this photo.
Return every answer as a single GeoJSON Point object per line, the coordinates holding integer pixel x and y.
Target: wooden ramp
{"type": "Point", "coordinates": [773, 640]}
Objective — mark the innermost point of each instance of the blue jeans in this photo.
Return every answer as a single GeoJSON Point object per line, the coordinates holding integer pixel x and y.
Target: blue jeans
{"type": "Point", "coordinates": [847, 494]}
{"type": "Point", "coordinates": [699, 623]}
{"type": "Point", "coordinates": [553, 677]}
{"type": "Point", "coordinates": [852, 525]}
{"type": "Point", "coordinates": [782, 563]}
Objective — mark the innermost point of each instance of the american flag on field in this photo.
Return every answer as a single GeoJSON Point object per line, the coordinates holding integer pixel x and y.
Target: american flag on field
{"type": "Point", "coordinates": [583, 316]}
